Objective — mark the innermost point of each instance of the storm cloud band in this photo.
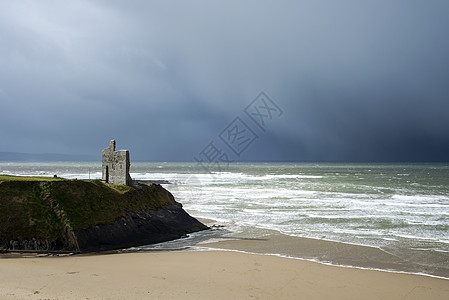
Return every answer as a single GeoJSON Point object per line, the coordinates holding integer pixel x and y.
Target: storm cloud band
{"type": "Point", "coordinates": [357, 80]}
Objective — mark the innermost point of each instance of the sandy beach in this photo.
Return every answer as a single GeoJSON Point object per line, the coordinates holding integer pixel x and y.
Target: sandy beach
{"type": "Point", "coordinates": [203, 275]}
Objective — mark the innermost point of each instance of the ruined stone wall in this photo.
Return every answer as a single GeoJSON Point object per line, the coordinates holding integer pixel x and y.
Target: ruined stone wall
{"type": "Point", "coordinates": [116, 165]}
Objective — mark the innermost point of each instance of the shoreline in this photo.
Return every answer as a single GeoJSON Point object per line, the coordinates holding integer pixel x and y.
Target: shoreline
{"type": "Point", "coordinates": [328, 253]}
{"type": "Point", "coordinates": [334, 253]}
{"type": "Point", "coordinates": [205, 249]}
{"type": "Point", "coordinates": [271, 242]}
{"type": "Point", "coordinates": [204, 275]}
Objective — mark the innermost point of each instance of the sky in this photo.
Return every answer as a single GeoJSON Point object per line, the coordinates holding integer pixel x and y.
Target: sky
{"type": "Point", "coordinates": [194, 80]}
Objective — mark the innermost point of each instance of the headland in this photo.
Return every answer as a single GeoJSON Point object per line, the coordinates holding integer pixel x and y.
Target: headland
{"type": "Point", "coordinates": [45, 214]}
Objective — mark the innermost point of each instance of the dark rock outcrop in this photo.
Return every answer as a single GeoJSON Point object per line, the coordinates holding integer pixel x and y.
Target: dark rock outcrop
{"type": "Point", "coordinates": [141, 228]}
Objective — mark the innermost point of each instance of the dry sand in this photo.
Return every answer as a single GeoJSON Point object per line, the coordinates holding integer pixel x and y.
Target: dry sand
{"type": "Point", "coordinates": [203, 275]}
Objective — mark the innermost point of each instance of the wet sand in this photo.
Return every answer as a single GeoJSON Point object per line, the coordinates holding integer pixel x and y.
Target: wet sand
{"type": "Point", "coordinates": [203, 275]}
{"type": "Point", "coordinates": [332, 252]}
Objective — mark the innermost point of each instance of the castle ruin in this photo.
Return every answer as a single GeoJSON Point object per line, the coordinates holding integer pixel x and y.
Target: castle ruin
{"type": "Point", "coordinates": [116, 165]}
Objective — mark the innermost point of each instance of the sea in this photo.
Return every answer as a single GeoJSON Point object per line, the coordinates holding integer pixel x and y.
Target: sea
{"type": "Point", "coordinates": [401, 210]}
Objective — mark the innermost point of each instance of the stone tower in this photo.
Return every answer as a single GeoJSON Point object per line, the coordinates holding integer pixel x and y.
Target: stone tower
{"type": "Point", "coordinates": [116, 165]}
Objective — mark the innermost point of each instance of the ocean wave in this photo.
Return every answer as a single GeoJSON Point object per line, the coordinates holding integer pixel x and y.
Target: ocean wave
{"type": "Point", "coordinates": [419, 199]}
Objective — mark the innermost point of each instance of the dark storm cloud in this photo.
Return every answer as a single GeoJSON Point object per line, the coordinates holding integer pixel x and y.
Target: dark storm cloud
{"type": "Point", "coordinates": [357, 80]}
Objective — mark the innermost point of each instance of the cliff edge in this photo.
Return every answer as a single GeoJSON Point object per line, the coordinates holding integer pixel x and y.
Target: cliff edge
{"type": "Point", "coordinates": [51, 214]}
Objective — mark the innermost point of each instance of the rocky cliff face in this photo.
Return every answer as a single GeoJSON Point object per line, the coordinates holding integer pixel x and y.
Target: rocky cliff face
{"type": "Point", "coordinates": [73, 215]}
{"type": "Point", "coordinates": [139, 228]}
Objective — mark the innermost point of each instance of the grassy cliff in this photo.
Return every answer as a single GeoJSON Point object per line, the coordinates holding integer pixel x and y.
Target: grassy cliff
{"type": "Point", "coordinates": [52, 209]}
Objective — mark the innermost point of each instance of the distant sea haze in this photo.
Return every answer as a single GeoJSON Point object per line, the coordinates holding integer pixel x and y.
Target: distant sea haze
{"type": "Point", "coordinates": [402, 209]}
{"type": "Point", "coordinates": [44, 157]}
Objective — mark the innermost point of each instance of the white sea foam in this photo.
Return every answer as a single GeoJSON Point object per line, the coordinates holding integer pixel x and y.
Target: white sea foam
{"type": "Point", "coordinates": [418, 199]}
